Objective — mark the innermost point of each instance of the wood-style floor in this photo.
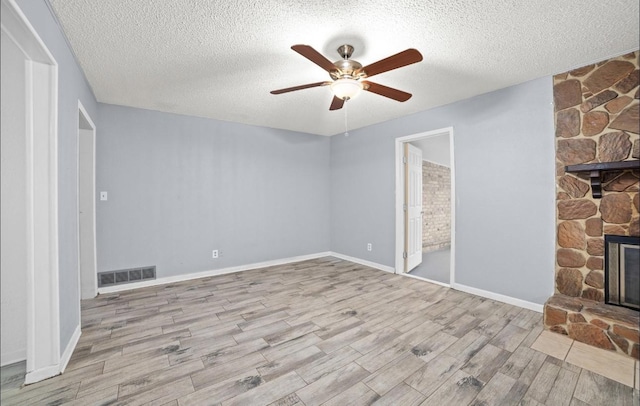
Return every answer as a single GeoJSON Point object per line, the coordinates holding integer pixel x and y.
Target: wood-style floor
{"type": "Point", "coordinates": [319, 332]}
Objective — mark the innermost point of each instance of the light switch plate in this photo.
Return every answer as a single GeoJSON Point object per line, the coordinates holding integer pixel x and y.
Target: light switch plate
{"type": "Point", "coordinates": [103, 195]}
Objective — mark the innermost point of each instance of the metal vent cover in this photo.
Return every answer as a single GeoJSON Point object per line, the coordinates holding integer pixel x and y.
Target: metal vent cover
{"type": "Point", "coordinates": [106, 278]}
{"type": "Point", "coordinates": [119, 277]}
{"type": "Point", "coordinates": [135, 275]}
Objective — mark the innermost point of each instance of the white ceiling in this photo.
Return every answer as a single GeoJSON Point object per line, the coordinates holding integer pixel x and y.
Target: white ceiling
{"type": "Point", "coordinates": [219, 59]}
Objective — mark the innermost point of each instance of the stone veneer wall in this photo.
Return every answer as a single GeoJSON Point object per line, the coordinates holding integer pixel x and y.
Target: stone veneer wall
{"type": "Point", "coordinates": [436, 203]}
{"type": "Point", "coordinates": [596, 121]}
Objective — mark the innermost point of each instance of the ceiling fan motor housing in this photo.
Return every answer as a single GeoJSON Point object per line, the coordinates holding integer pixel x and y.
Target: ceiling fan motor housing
{"type": "Point", "coordinates": [345, 51]}
{"type": "Point", "coordinates": [346, 68]}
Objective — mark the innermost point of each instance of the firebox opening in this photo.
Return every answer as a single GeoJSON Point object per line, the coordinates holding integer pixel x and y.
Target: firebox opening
{"type": "Point", "coordinates": [622, 271]}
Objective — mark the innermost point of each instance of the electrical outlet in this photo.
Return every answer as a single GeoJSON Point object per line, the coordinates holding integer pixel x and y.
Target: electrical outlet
{"type": "Point", "coordinates": [215, 254]}
{"type": "Point", "coordinates": [369, 247]}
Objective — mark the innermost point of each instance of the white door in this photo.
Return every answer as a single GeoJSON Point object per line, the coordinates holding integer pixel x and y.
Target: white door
{"type": "Point", "coordinates": [413, 205]}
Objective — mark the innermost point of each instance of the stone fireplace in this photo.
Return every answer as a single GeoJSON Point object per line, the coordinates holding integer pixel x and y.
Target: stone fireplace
{"type": "Point", "coordinates": [596, 120]}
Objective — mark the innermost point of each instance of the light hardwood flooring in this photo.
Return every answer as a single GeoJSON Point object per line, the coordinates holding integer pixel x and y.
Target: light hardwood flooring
{"type": "Point", "coordinates": [318, 332]}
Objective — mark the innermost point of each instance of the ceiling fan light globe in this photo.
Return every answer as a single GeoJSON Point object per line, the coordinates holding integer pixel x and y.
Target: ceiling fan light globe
{"type": "Point", "coordinates": [346, 89]}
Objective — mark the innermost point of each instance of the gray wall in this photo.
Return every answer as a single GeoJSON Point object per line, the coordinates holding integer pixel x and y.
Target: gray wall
{"type": "Point", "coordinates": [179, 187]}
{"type": "Point", "coordinates": [72, 87]}
{"type": "Point", "coordinates": [504, 184]}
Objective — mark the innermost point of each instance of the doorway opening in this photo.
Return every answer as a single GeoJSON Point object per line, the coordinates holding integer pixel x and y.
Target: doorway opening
{"type": "Point", "coordinates": [30, 284]}
{"type": "Point", "coordinates": [86, 205]}
{"type": "Point", "coordinates": [425, 206]}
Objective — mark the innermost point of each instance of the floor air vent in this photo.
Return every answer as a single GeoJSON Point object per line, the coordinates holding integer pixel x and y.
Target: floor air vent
{"type": "Point", "coordinates": [112, 278]}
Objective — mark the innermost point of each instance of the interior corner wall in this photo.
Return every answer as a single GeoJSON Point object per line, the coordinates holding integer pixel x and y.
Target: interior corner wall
{"type": "Point", "coordinates": [179, 187]}
{"type": "Point", "coordinates": [72, 87]}
{"type": "Point", "coordinates": [504, 188]}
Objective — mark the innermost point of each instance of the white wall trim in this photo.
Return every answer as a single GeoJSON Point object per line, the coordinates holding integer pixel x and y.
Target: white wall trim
{"type": "Point", "coordinates": [452, 169]}
{"type": "Point", "coordinates": [463, 288]}
{"type": "Point", "coordinates": [57, 369]}
{"type": "Point", "coordinates": [363, 262]}
{"type": "Point", "coordinates": [17, 26]}
{"type": "Point", "coordinates": [41, 374]}
{"type": "Point", "coordinates": [214, 272]}
{"type": "Point", "coordinates": [197, 275]}
{"type": "Point", "coordinates": [94, 291]}
{"type": "Point", "coordinates": [66, 355]}
{"type": "Point", "coordinates": [241, 268]}
{"type": "Point", "coordinates": [500, 298]}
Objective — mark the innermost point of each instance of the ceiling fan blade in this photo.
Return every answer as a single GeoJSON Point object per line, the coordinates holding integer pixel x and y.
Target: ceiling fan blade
{"type": "Point", "coordinates": [396, 61]}
{"type": "Point", "coordinates": [291, 89]}
{"type": "Point", "coordinates": [336, 103]}
{"type": "Point", "coordinates": [314, 56]}
{"type": "Point", "coordinates": [385, 91]}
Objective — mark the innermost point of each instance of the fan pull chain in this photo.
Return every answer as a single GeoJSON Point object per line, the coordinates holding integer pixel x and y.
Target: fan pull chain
{"type": "Point", "coordinates": [346, 127]}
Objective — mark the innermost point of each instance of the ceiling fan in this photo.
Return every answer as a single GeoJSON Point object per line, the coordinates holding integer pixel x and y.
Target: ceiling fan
{"type": "Point", "coordinates": [349, 75]}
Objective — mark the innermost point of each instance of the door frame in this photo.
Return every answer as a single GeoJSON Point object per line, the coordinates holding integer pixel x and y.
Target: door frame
{"type": "Point", "coordinates": [399, 152]}
{"type": "Point", "coordinates": [90, 274]}
{"type": "Point", "coordinates": [41, 160]}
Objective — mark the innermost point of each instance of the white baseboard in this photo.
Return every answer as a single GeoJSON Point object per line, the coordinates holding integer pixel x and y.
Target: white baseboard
{"type": "Point", "coordinates": [53, 370]}
{"type": "Point", "coordinates": [13, 357]}
{"type": "Point", "coordinates": [66, 355]}
{"type": "Point", "coordinates": [500, 298]}
{"type": "Point", "coordinates": [363, 262]}
{"type": "Point", "coordinates": [179, 278]}
{"type": "Point", "coordinates": [463, 288]}
{"type": "Point", "coordinates": [42, 374]}
{"type": "Point", "coordinates": [446, 285]}
{"type": "Point", "coordinates": [215, 272]}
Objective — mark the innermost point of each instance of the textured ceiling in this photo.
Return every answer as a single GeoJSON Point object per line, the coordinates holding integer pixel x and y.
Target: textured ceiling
{"type": "Point", "coordinates": [220, 59]}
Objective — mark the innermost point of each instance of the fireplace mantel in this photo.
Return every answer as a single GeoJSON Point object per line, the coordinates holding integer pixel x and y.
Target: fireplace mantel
{"type": "Point", "coordinates": [597, 169]}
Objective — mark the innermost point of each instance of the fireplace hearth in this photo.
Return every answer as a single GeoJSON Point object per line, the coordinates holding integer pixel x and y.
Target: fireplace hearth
{"type": "Point", "coordinates": [622, 271]}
